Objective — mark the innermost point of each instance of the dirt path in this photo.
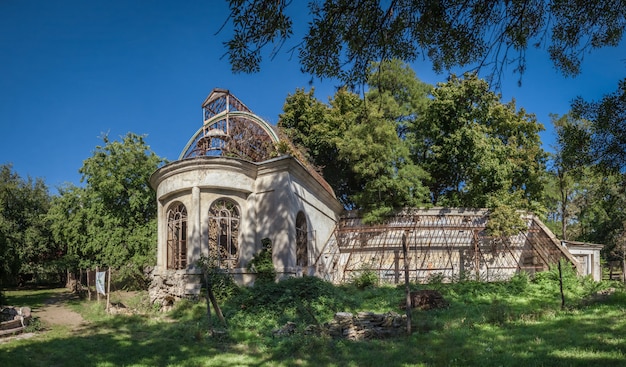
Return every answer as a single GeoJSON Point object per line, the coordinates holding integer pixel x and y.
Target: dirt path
{"type": "Point", "coordinates": [55, 312]}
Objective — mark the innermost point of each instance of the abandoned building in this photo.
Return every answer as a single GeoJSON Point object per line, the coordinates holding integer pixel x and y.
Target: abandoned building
{"type": "Point", "coordinates": [237, 182]}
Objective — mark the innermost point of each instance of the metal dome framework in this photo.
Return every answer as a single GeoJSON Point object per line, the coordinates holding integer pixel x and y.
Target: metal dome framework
{"type": "Point", "coordinates": [230, 129]}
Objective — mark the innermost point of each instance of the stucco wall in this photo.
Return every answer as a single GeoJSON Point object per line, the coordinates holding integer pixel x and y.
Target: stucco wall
{"type": "Point", "coordinates": [269, 194]}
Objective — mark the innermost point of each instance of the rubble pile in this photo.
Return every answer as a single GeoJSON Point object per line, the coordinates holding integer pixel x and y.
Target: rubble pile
{"type": "Point", "coordinates": [366, 325]}
{"type": "Point", "coordinates": [426, 299]}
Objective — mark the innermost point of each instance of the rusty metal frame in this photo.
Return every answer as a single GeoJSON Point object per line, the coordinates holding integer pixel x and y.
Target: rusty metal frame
{"type": "Point", "coordinates": [447, 243]}
{"type": "Point", "coordinates": [230, 129]}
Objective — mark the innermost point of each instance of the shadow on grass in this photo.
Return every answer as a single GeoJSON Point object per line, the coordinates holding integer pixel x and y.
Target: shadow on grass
{"type": "Point", "coordinates": [568, 340]}
{"type": "Point", "coordinates": [33, 298]}
{"type": "Point", "coordinates": [463, 335]}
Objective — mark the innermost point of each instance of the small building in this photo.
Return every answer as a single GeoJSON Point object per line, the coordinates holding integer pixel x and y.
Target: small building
{"type": "Point", "coordinates": [588, 257]}
{"type": "Point", "coordinates": [237, 182]}
{"type": "Point", "coordinates": [230, 188]}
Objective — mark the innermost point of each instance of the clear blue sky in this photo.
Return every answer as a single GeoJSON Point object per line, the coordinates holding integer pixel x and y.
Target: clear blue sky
{"type": "Point", "coordinates": [75, 69]}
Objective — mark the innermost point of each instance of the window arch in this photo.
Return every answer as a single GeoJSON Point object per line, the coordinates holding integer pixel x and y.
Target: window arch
{"type": "Point", "coordinates": [224, 217]}
{"type": "Point", "coordinates": [302, 240]}
{"type": "Point", "coordinates": [177, 237]}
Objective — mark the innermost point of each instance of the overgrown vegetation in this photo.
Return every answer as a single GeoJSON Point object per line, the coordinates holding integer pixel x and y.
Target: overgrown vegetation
{"type": "Point", "coordinates": [513, 323]}
{"type": "Point", "coordinates": [262, 263]}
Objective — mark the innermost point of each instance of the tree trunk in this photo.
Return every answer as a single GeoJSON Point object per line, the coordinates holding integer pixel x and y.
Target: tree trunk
{"type": "Point", "coordinates": [561, 286]}
{"type": "Point", "coordinates": [212, 301]}
{"type": "Point", "coordinates": [208, 301]}
{"type": "Point", "coordinates": [216, 306]}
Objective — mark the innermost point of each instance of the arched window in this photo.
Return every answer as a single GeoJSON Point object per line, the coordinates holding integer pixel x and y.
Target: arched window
{"type": "Point", "coordinates": [302, 240]}
{"type": "Point", "coordinates": [177, 237]}
{"type": "Point", "coordinates": [224, 232]}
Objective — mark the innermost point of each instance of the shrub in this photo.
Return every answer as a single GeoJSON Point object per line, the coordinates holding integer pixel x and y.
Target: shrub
{"type": "Point", "coordinates": [263, 264]}
{"type": "Point", "coordinates": [365, 279]}
{"type": "Point", "coordinates": [309, 299]}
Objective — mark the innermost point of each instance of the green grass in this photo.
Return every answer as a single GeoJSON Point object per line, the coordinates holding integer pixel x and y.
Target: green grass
{"type": "Point", "coordinates": [516, 323]}
{"type": "Point", "coordinates": [34, 298]}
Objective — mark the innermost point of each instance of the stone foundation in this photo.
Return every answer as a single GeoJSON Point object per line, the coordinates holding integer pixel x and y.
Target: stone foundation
{"type": "Point", "coordinates": [168, 287]}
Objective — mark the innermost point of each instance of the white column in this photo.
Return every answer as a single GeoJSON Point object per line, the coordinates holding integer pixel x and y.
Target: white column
{"type": "Point", "coordinates": [196, 233]}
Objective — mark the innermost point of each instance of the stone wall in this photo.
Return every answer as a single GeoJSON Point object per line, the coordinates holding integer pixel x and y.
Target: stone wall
{"type": "Point", "coordinates": [170, 286]}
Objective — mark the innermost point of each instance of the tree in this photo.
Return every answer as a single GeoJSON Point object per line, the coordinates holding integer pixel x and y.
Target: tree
{"type": "Point", "coordinates": [608, 130]}
{"type": "Point", "coordinates": [359, 144]}
{"type": "Point", "coordinates": [316, 128]}
{"type": "Point", "coordinates": [381, 163]}
{"type": "Point", "coordinates": [478, 150]}
{"type": "Point", "coordinates": [112, 220]}
{"type": "Point", "coordinates": [26, 245]}
{"type": "Point", "coordinates": [570, 171]}
{"type": "Point", "coordinates": [69, 216]}
{"type": "Point", "coordinates": [344, 36]}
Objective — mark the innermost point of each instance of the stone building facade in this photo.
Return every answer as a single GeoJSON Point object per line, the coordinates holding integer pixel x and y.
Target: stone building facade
{"type": "Point", "coordinates": [230, 188]}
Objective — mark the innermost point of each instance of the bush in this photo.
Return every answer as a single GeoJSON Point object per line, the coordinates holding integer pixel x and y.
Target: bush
{"type": "Point", "coordinates": [518, 283]}
{"type": "Point", "coordinates": [365, 279]}
{"type": "Point", "coordinates": [308, 299]}
{"type": "Point", "coordinates": [263, 264]}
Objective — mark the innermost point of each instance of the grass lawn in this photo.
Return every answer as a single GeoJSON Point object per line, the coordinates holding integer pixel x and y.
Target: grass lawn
{"type": "Point", "coordinates": [516, 323]}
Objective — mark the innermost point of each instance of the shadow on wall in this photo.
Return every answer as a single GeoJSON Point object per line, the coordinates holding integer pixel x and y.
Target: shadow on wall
{"type": "Point", "coordinates": [276, 206]}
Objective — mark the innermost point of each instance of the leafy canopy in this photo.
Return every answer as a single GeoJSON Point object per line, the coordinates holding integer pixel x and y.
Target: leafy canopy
{"type": "Point", "coordinates": [26, 244]}
{"type": "Point", "coordinates": [111, 221]}
{"type": "Point", "coordinates": [408, 144]}
{"type": "Point", "coordinates": [476, 148]}
{"type": "Point", "coordinates": [607, 133]}
{"type": "Point", "coordinates": [345, 36]}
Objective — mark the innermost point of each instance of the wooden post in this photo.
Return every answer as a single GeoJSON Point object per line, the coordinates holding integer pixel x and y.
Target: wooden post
{"type": "Point", "coordinates": [407, 288]}
{"type": "Point", "coordinates": [81, 279]}
{"type": "Point", "coordinates": [96, 280]}
{"type": "Point", "coordinates": [561, 286]}
{"type": "Point", "coordinates": [108, 289]}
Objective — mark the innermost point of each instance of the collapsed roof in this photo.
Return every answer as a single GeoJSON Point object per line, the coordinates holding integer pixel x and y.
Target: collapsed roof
{"type": "Point", "coordinates": [231, 129]}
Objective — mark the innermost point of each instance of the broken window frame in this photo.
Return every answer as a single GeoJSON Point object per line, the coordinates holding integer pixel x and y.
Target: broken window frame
{"type": "Point", "coordinates": [177, 237]}
{"type": "Point", "coordinates": [224, 221]}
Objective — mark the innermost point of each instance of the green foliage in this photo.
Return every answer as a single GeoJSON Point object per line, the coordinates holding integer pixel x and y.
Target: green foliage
{"type": "Point", "coordinates": [587, 201]}
{"type": "Point", "coordinates": [380, 162]}
{"type": "Point", "coordinates": [263, 264]}
{"type": "Point", "coordinates": [359, 144]}
{"type": "Point", "coordinates": [504, 220]}
{"type": "Point", "coordinates": [306, 299]}
{"type": "Point", "coordinates": [606, 135]}
{"type": "Point", "coordinates": [222, 283]}
{"type": "Point", "coordinates": [111, 221]}
{"type": "Point", "coordinates": [344, 37]}
{"type": "Point", "coordinates": [398, 148]}
{"type": "Point", "coordinates": [364, 278]}
{"type": "Point", "coordinates": [515, 323]}
{"type": "Point", "coordinates": [477, 149]}
{"type": "Point", "coordinates": [316, 129]}
{"type": "Point", "coordinates": [26, 243]}
{"type": "Point", "coordinates": [34, 325]}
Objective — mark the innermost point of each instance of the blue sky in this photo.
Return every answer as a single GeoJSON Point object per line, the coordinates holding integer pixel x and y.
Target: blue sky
{"type": "Point", "coordinates": [73, 70]}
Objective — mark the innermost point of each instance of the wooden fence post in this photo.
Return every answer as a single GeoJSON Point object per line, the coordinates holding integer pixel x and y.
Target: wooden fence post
{"type": "Point", "coordinates": [407, 287]}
